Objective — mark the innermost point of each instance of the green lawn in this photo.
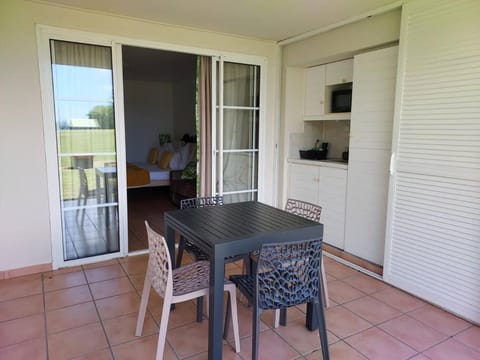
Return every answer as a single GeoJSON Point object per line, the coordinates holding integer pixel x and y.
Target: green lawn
{"type": "Point", "coordinates": [92, 142]}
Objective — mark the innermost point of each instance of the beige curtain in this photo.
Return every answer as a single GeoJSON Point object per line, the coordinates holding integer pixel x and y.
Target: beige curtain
{"type": "Point", "coordinates": [69, 53]}
{"type": "Point", "coordinates": [204, 126]}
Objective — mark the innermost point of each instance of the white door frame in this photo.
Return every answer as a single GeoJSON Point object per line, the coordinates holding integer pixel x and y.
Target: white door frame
{"type": "Point", "coordinates": [217, 124]}
{"type": "Point", "coordinates": [44, 34]}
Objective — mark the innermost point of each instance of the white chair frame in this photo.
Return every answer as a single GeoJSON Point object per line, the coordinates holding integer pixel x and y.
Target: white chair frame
{"type": "Point", "coordinates": [161, 278]}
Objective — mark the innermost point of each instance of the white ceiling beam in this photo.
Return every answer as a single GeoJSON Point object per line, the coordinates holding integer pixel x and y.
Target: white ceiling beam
{"type": "Point", "coordinates": [368, 14]}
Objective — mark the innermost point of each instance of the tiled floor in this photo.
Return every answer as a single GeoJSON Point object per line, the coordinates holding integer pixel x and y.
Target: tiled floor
{"type": "Point", "coordinates": [90, 312]}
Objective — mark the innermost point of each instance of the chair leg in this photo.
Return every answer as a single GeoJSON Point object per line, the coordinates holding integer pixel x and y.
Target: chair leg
{"type": "Point", "coordinates": [228, 315]}
{"type": "Point", "coordinates": [283, 317]}
{"type": "Point", "coordinates": [326, 300]}
{"type": "Point", "coordinates": [162, 331]}
{"type": "Point", "coordinates": [232, 301]}
{"type": "Point", "coordinates": [276, 318]}
{"type": "Point", "coordinates": [322, 328]}
{"type": "Point", "coordinates": [199, 309]}
{"type": "Point", "coordinates": [143, 306]}
{"type": "Point", "coordinates": [255, 330]}
{"type": "Point", "coordinates": [181, 248]}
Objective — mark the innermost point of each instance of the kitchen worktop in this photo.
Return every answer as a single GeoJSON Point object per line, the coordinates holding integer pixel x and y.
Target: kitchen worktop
{"type": "Point", "coordinates": [335, 163]}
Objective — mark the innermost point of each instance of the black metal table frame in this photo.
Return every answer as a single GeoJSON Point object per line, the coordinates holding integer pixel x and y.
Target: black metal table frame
{"type": "Point", "coordinates": [189, 224]}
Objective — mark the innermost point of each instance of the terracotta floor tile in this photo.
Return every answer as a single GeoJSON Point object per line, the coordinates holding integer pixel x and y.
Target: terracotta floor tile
{"type": "Point", "coordinates": [342, 322]}
{"type": "Point", "coordinates": [189, 339]}
{"type": "Point", "coordinates": [104, 273]}
{"type": "Point", "coordinates": [271, 346]}
{"type": "Point", "coordinates": [293, 314]}
{"type": "Point", "coordinates": [13, 309]}
{"type": "Point", "coordinates": [372, 310]}
{"type": "Point", "coordinates": [122, 329]}
{"type": "Point", "coordinates": [135, 267]}
{"type": "Point", "coordinates": [452, 349]}
{"type": "Point", "coordinates": [338, 351]}
{"type": "Point", "coordinates": [341, 292]}
{"type": "Point", "coordinates": [63, 281]}
{"type": "Point", "coordinates": [339, 271]}
{"type": "Point", "coordinates": [67, 297]}
{"type": "Point", "coordinates": [134, 258]}
{"type": "Point", "coordinates": [35, 349]}
{"type": "Point", "coordinates": [144, 348]}
{"type": "Point", "coordinates": [100, 264]}
{"type": "Point", "coordinates": [70, 317]}
{"type": "Point", "coordinates": [441, 320]}
{"type": "Point", "coordinates": [103, 289]}
{"type": "Point", "coordinates": [20, 287]}
{"type": "Point", "coordinates": [376, 344]}
{"type": "Point", "coordinates": [413, 333]}
{"type": "Point", "coordinates": [96, 355]}
{"type": "Point", "coordinates": [420, 357]}
{"type": "Point", "coordinates": [62, 271]}
{"type": "Point", "coordinates": [228, 354]}
{"type": "Point", "coordinates": [245, 318]}
{"type": "Point", "coordinates": [399, 299]}
{"type": "Point", "coordinates": [19, 330]}
{"type": "Point", "coordinates": [470, 337]}
{"type": "Point", "coordinates": [365, 283]}
{"type": "Point", "coordinates": [302, 339]}
{"type": "Point", "coordinates": [76, 342]}
{"type": "Point", "coordinates": [118, 305]}
{"type": "Point", "coordinates": [184, 313]}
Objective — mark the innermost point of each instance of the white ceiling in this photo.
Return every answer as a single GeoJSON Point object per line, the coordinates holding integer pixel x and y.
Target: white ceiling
{"type": "Point", "coordinates": [262, 19]}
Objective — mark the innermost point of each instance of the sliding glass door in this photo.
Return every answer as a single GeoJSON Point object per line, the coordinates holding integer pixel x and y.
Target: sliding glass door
{"type": "Point", "coordinates": [236, 131]}
{"type": "Point", "coordinates": [82, 78]}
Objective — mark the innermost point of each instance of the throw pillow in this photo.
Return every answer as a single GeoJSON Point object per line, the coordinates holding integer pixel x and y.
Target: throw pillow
{"type": "Point", "coordinates": [153, 156]}
{"type": "Point", "coordinates": [165, 159]}
{"type": "Point", "coordinates": [190, 171]}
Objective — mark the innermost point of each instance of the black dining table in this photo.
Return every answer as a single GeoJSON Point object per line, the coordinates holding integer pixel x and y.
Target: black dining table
{"type": "Point", "coordinates": [234, 229]}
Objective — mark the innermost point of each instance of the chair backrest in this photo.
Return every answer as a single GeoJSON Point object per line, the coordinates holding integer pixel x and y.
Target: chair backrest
{"type": "Point", "coordinates": [159, 265]}
{"type": "Point", "coordinates": [288, 274]}
{"type": "Point", "coordinates": [199, 202]}
{"type": "Point", "coordinates": [304, 209]}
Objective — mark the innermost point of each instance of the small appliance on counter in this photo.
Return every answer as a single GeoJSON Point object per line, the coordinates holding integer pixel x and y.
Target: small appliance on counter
{"type": "Point", "coordinates": [345, 154]}
{"type": "Point", "coordinates": [316, 153]}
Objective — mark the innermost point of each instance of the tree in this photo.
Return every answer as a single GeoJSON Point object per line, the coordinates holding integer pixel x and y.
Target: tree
{"type": "Point", "coordinates": [104, 115]}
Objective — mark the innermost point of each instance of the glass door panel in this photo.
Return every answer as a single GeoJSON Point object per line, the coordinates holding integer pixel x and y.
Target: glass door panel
{"type": "Point", "coordinates": [237, 118]}
{"type": "Point", "coordinates": [85, 132]}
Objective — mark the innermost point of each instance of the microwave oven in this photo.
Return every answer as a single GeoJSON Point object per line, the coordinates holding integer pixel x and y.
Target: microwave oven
{"type": "Point", "coordinates": [342, 100]}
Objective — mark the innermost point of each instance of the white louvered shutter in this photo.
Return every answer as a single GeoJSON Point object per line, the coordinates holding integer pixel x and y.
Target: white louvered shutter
{"type": "Point", "coordinates": [433, 230]}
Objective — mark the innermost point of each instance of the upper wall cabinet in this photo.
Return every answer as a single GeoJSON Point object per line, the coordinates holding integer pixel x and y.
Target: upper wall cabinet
{"type": "Point", "coordinates": [320, 82]}
{"type": "Point", "coordinates": [339, 72]}
{"type": "Point", "coordinates": [314, 91]}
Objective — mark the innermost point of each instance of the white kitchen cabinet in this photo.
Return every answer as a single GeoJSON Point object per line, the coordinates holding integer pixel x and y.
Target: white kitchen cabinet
{"type": "Point", "coordinates": [369, 155]}
{"type": "Point", "coordinates": [314, 104]}
{"type": "Point", "coordinates": [325, 186]}
{"type": "Point", "coordinates": [339, 72]}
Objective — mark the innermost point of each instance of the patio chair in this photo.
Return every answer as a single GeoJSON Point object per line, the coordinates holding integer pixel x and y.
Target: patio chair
{"type": "Point", "coordinates": [287, 274]}
{"type": "Point", "coordinates": [182, 284]}
{"type": "Point", "coordinates": [311, 212]}
{"type": "Point", "coordinates": [83, 193]}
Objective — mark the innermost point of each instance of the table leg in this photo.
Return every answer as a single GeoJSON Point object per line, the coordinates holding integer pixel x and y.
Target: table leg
{"type": "Point", "coordinates": [170, 239]}
{"type": "Point", "coordinates": [215, 328]}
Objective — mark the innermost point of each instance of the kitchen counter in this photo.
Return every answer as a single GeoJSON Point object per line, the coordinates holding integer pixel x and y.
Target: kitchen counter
{"type": "Point", "coordinates": [334, 163]}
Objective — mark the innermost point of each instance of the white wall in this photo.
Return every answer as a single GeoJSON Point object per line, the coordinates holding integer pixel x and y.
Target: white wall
{"type": "Point", "coordinates": [330, 46]}
{"type": "Point", "coordinates": [25, 238]}
{"type": "Point", "coordinates": [148, 112]}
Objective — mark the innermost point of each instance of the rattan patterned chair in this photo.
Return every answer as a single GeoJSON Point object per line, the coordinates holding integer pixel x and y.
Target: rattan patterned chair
{"type": "Point", "coordinates": [311, 212]}
{"type": "Point", "coordinates": [184, 283]}
{"type": "Point", "coordinates": [287, 274]}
